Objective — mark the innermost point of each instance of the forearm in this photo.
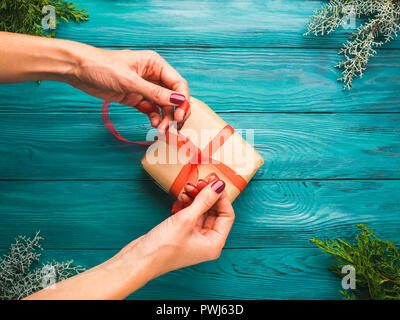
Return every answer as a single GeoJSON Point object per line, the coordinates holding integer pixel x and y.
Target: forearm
{"type": "Point", "coordinates": [30, 58]}
{"type": "Point", "coordinates": [114, 279]}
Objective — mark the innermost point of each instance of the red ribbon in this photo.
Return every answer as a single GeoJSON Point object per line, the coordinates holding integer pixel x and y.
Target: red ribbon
{"type": "Point", "coordinates": [110, 126]}
{"type": "Point", "coordinates": [190, 171]}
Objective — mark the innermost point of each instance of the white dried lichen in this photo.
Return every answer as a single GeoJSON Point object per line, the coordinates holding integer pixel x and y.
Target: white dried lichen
{"type": "Point", "coordinates": [382, 26]}
{"type": "Point", "coordinates": [20, 274]}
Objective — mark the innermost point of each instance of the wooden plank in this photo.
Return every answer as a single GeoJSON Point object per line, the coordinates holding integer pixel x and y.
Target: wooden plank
{"type": "Point", "coordinates": [262, 80]}
{"type": "Point", "coordinates": [73, 146]}
{"type": "Point", "coordinates": [273, 273]}
{"type": "Point", "coordinates": [238, 56]}
{"type": "Point", "coordinates": [211, 23]}
{"type": "Point", "coordinates": [110, 214]}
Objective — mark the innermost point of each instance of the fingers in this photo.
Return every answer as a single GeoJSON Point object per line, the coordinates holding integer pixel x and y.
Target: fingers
{"type": "Point", "coordinates": [147, 107]}
{"type": "Point", "coordinates": [223, 221]}
{"type": "Point", "coordinates": [206, 181]}
{"type": "Point", "coordinates": [158, 94]}
{"type": "Point", "coordinates": [181, 113]}
{"type": "Point", "coordinates": [173, 80]}
{"type": "Point", "coordinates": [152, 111]}
{"type": "Point", "coordinates": [211, 209]}
{"type": "Point", "coordinates": [155, 119]}
{"type": "Point", "coordinates": [185, 200]}
{"type": "Point", "coordinates": [162, 85]}
{"type": "Point", "coordinates": [205, 199]}
{"type": "Point", "coordinates": [191, 192]}
{"type": "Point", "coordinates": [167, 117]}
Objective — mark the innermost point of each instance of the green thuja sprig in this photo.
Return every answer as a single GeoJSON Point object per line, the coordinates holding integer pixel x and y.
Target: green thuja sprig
{"type": "Point", "coordinates": [24, 16]}
{"type": "Point", "coordinates": [382, 26]}
{"type": "Point", "coordinates": [20, 274]}
{"type": "Point", "coordinates": [376, 263]}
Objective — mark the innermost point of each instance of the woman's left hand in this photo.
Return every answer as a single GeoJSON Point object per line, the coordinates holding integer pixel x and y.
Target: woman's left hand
{"type": "Point", "coordinates": [141, 79]}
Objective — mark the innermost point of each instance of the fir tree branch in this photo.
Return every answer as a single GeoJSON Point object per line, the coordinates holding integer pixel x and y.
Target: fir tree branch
{"type": "Point", "coordinates": [24, 16]}
{"type": "Point", "coordinates": [376, 262]}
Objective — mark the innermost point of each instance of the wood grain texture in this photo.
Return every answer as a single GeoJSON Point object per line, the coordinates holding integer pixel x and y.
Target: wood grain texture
{"type": "Point", "coordinates": [206, 23]}
{"type": "Point", "coordinates": [270, 273]}
{"type": "Point", "coordinates": [110, 214]}
{"type": "Point", "coordinates": [242, 80]}
{"type": "Point", "coordinates": [331, 156]}
{"type": "Point", "coordinates": [77, 146]}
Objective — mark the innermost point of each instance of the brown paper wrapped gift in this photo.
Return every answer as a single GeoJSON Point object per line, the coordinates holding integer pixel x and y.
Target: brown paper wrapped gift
{"type": "Point", "coordinates": [165, 160]}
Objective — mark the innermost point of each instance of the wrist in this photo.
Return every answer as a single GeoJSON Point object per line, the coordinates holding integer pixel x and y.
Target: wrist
{"type": "Point", "coordinates": [62, 61]}
{"type": "Point", "coordinates": [135, 265]}
{"type": "Point", "coordinates": [128, 270]}
{"type": "Point", "coordinates": [45, 59]}
{"type": "Point", "coordinates": [149, 259]}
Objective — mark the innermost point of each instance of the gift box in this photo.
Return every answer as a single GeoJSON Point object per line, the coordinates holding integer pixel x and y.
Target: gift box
{"type": "Point", "coordinates": [204, 144]}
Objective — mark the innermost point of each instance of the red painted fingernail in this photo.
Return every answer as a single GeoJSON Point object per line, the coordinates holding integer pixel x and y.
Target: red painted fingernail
{"type": "Point", "coordinates": [177, 98]}
{"type": "Point", "coordinates": [218, 186]}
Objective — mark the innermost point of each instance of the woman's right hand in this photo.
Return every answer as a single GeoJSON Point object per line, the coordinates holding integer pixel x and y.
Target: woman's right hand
{"type": "Point", "coordinates": [193, 235]}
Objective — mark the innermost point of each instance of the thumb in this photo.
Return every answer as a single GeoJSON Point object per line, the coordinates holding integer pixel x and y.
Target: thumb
{"type": "Point", "coordinates": [158, 94]}
{"type": "Point", "coordinates": [205, 199]}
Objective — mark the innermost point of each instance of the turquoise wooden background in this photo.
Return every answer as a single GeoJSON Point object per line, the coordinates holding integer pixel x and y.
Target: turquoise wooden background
{"type": "Point", "coordinates": [331, 157]}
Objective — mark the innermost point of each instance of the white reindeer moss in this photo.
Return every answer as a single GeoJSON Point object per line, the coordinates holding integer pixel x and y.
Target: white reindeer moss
{"type": "Point", "coordinates": [20, 273]}
{"type": "Point", "coordinates": [382, 26]}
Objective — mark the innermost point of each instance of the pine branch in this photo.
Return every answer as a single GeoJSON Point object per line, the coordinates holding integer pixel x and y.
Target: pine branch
{"type": "Point", "coordinates": [377, 264]}
{"type": "Point", "coordinates": [24, 16]}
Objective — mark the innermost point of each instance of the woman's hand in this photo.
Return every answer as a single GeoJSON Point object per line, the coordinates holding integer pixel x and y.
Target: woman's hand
{"type": "Point", "coordinates": [194, 234]}
{"type": "Point", "coordinates": [141, 79]}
